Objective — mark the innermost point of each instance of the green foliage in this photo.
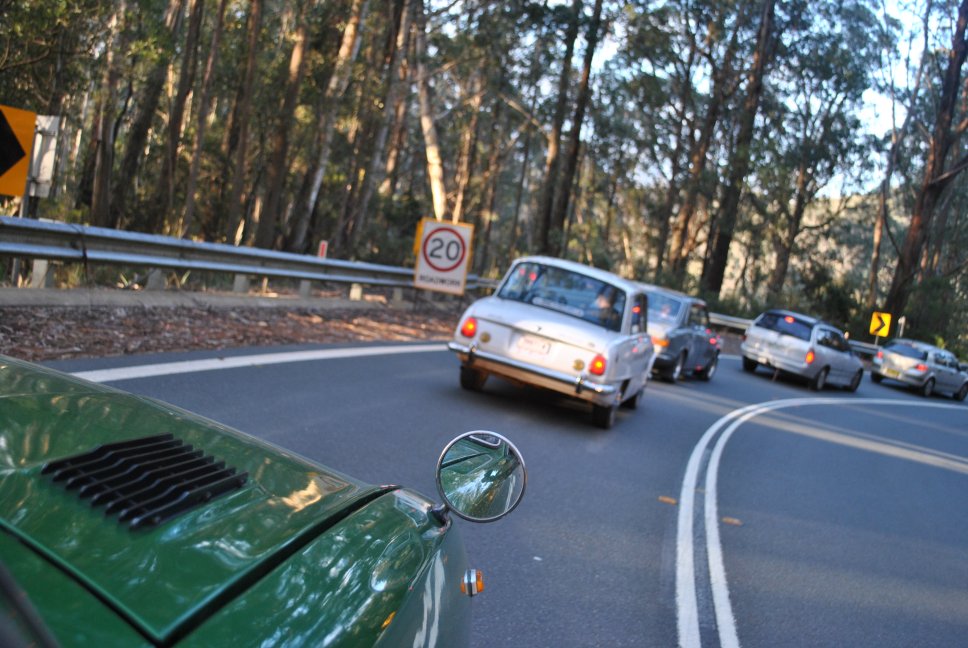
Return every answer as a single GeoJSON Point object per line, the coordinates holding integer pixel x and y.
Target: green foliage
{"type": "Point", "coordinates": [493, 78]}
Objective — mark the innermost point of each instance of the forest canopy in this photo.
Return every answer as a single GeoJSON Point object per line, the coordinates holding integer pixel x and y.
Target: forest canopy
{"type": "Point", "coordinates": [806, 153]}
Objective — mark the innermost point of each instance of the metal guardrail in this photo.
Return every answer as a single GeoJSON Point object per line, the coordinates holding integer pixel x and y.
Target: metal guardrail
{"type": "Point", "coordinates": [28, 238]}
{"type": "Point", "coordinates": [48, 240]}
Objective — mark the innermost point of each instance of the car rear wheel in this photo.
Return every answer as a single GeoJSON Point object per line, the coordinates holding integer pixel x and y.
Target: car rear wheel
{"type": "Point", "coordinates": [674, 374]}
{"type": "Point", "coordinates": [928, 388]}
{"type": "Point", "coordinates": [603, 416]}
{"type": "Point", "coordinates": [634, 401]}
{"type": "Point", "coordinates": [855, 383]}
{"type": "Point", "coordinates": [472, 379]}
{"type": "Point", "coordinates": [749, 365]}
{"type": "Point", "coordinates": [876, 377]}
{"type": "Point", "coordinates": [961, 393]}
{"type": "Point", "coordinates": [710, 370]}
{"type": "Point", "coordinates": [820, 380]}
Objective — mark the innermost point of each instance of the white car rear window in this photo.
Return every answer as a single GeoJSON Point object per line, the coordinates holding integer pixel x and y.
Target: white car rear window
{"type": "Point", "coordinates": [567, 292]}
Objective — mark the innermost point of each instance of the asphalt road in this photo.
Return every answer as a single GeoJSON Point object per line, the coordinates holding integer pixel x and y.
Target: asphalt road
{"type": "Point", "coordinates": [833, 519]}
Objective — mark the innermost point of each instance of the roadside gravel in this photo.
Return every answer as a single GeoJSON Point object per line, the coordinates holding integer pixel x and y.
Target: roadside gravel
{"type": "Point", "coordinates": [42, 329]}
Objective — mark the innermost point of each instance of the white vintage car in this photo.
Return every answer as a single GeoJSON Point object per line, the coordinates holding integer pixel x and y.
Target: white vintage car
{"type": "Point", "coordinates": [563, 326]}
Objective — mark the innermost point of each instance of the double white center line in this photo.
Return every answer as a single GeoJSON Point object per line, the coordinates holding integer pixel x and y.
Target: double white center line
{"type": "Point", "coordinates": [698, 523]}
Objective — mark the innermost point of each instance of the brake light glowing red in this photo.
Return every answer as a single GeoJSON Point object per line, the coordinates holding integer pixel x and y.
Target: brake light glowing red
{"type": "Point", "coordinates": [811, 356]}
{"type": "Point", "coordinates": [469, 327]}
{"type": "Point", "coordinates": [921, 367]}
{"type": "Point", "coordinates": [880, 355]}
{"type": "Point", "coordinates": [597, 367]}
{"type": "Point", "coordinates": [788, 319]}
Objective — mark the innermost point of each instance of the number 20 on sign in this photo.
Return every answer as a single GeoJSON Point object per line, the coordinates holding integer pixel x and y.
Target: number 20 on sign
{"type": "Point", "coordinates": [443, 253]}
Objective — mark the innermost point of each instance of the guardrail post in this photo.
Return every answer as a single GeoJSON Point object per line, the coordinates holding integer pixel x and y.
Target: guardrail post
{"type": "Point", "coordinates": [356, 292]}
{"type": "Point", "coordinates": [41, 274]}
{"type": "Point", "coordinates": [305, 286]}
{"type": "Point", "coordinates": [156, 280]}
{"type": "Point", "coordinates": [241, 283]}
{"type": "Point", "coordinates": [397, 298]}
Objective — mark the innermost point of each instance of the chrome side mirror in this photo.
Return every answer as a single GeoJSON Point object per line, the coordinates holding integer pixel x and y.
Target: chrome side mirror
{"type": "Point", "coordinates": [481, 476]}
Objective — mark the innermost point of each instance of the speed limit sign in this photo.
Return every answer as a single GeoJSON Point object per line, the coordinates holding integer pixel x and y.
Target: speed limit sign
{"type": "Point", "coordinates": [443, 256]}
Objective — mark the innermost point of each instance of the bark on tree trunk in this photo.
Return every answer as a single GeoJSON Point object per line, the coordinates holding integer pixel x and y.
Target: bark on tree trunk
{"type": "Point", "coordinates": [394, 86]}
{"type": "Point", "coordinates": [141, 124]}
{"type": "Point", "coordinates": [546, 205]}
{"type": "Point", "coordinates": [238, 132]}
{"type": "Point", "coordinates": [715, 270]}
{"type": "Point", "coordinates": [204, 106]}
{"type": "Point", "coordinates": [571, 160]}
{"type": "Point", "coordinates": [165, 194]}
{"type": "Point", "coordinates": [936, 177]}
{"type": "Point", "coordinates": [899, 134]}
{"type": "Point", "coordinates": [698, 158]}
{"type": "Point", "coordinates": [103, 154]}
{"type": "Point", "coordinates": [468, 154]}
{"type": "Point", "coordinates": [329, 106]}
{"type": "Point", "coordinates": [276, 173]}
{"type": "Point", "coordinates": [435, 164]}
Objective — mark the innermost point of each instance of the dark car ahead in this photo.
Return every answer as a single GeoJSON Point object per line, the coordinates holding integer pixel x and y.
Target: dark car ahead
{"type": "Point", "coordinates": [803, 346]}
{"type": "Point", "coordinates": [921, 366]}
{"type": "Point", "coordinates": [682, 335]}
{"type": "Point", "coordinates": [128, 522]}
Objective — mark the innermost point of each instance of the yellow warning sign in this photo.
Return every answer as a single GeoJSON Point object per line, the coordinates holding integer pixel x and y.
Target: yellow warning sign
{"type": "Point", "coordinates": [880, 324]}
{"type": "Point", "coordinates": [16, 141]}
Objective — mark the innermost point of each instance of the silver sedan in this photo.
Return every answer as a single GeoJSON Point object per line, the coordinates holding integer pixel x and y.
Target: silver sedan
{"type": "Point", "coordinates": [561, 326]}
{"type": "Point", "coordinates": [921, 366]}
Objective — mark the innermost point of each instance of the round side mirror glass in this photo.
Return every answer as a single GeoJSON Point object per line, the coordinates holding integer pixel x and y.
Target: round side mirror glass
{"type": "Point", "coordinates": [481, 476]}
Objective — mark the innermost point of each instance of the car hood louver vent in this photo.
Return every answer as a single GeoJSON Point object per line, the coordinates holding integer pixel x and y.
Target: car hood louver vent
{"type": "Point", "coordinates": [145, 481]}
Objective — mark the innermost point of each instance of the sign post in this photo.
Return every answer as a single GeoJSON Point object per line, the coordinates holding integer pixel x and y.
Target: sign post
{"type": "Point", "coordinates": [443, 256]}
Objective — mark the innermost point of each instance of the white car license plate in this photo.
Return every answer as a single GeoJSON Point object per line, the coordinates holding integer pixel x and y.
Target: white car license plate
{"type": "Point", "coordinates": [533, 346]}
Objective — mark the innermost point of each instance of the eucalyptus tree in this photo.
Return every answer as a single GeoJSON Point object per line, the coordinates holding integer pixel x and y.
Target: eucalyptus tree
{"type": "Point", "coordinates": [721, 235]}
{"type": "Point", "coordinates": [811, 114]}
{"type": "Point", "coordinates": [945, 156]}
{"type": "Point", "coordinates": [547, 240]}
{"type": "Point", "coordinates": [156, 52]}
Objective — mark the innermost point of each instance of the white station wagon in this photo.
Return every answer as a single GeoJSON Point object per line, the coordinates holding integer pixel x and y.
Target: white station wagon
{"type": "Point", "coordinates": [562, 326]}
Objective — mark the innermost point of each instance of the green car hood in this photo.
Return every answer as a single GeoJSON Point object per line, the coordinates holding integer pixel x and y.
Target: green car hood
{"type": "Point", "coordinates": [167, 579]}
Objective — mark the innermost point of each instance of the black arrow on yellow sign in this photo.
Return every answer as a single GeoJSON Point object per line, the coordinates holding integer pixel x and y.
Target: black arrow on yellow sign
{"type": "Point", "coordinates": [11, 151]}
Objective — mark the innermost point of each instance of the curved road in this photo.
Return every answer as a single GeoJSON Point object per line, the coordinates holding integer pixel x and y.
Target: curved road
{"type": "Point", "coordinates": [746, 511]}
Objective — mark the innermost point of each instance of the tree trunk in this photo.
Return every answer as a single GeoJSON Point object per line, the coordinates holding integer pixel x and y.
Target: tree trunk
{"type": "Point", "coordinates": [103, 154]}
{"type": "Point", "coordinates": [276, 173]}
{"type": "Point", "coordinates": [936, 176]}
{"type": "Point", "coordinates": [204, 106]}
{"type": "Point", "coordinates": [897, 139]}
{"type": "Point", "coordinates": [238, 131]}
{"type": "Point", "coordinates": [435, 164]}
{"type": "Point", "coordinates": [571, 160]}
{"type": "Point", "coordinates": [715, 270]}
{"type": "Point", "coordinates": [329, 106]}
{"type": "Point", "coordinates": [148, 100]}
{"type": "Point", "coordinates": [394, 87]}
{"type": "Point", "coordinates": [698, 157]}
{"type": "Point", "coordinates": [165, 196]}
{"type": "Point", "coordinates": [468, 154]}
{"type": "Point", "coordinates": [546, 204]}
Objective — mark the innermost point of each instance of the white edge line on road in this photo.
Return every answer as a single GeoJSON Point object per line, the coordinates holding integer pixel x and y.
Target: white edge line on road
{"type": "Point", "coordinates": [686, 602]}
{"type": "Point", "coordinates": [258, 360]}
